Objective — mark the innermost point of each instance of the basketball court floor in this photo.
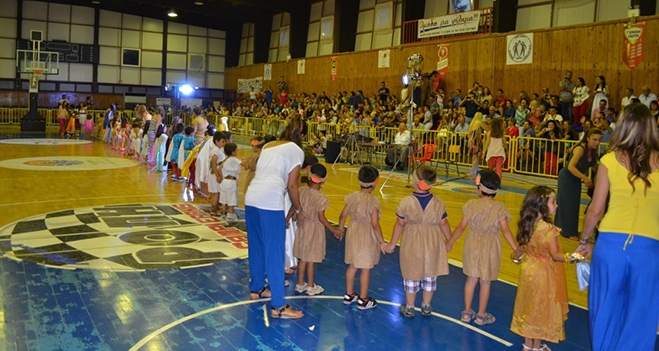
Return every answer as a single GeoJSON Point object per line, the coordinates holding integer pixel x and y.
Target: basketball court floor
{"type": "Point", "coordinates": [100, 252]}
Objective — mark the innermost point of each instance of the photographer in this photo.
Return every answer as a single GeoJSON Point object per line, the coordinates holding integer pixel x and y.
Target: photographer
{"type": "Point", "coordinates": [470, 105]}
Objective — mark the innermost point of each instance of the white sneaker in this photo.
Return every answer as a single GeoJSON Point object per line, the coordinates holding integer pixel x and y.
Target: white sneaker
{"type": "Point", "coordinates": [315, 290]}
{"type": "Point", "coordinates": [231, 217]}
{"type": "Point", "coordinates": [301, 288]}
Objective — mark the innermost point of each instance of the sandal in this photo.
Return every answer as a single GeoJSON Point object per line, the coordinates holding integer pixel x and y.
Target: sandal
{"type": "Point", "coordinates": [544, 347]}
{"type": "Point", "coordinates": [286, 312]}
{"type": "Point", "coordinates": [528, 348]}
{"type": "Point", "coordinates": [264, 293]}
{"type": "Point", "coordinates": [466, 317]}
{"type": "Point", "coordinates": [484, 320]}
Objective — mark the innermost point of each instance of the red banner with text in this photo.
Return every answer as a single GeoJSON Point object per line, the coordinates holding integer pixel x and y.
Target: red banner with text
{"type": "Point", "coordinates": [633, 44]}
{"type": "Point", "coordinates": [442, 66]}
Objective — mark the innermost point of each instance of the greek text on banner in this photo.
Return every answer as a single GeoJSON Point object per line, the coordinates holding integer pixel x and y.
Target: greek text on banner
{"type": "Point", "coordinates": [464, 22]}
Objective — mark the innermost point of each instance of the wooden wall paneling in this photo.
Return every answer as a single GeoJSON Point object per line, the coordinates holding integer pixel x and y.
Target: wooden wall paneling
{"type": "Point", "coordinates": [587, 50]}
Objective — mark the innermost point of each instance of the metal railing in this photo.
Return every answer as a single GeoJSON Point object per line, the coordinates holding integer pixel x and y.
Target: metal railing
{"type": "Point", "coordinates": [524, 155]}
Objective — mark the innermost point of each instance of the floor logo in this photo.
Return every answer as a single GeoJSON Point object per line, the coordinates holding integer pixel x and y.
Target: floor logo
{"type": "Point", "coordinates": [67, 163]}
{"type": "Point", "coordinates": [124, 238]}
{"type": "Point", "coordinates": [44, 141]}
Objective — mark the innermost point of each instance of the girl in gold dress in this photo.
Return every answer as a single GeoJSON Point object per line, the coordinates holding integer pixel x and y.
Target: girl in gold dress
{"type": "Point", "coordinates": [541, 301]}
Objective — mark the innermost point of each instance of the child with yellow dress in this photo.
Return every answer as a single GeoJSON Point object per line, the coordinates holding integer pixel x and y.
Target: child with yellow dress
{"type": "Point", "coordinates": [422, 220]}
{"type": "Point", "coordinates": [541, 301]}
{"type": "Point", "coordinates": [482, 246]}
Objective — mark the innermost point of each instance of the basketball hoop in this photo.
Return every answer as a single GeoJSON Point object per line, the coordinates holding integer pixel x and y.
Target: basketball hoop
{"type": "Point", "coordinates": [37, 71]}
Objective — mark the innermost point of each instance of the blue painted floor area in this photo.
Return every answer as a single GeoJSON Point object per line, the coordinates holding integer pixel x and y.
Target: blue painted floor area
{"type": "Point", "coordinates": [207, 308]}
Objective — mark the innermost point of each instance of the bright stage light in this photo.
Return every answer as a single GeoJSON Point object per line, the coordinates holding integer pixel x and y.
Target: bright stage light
{"type": "Point", "coordinates": [406, 79]}
{"type": "Point", "coordinates": [186, 89]}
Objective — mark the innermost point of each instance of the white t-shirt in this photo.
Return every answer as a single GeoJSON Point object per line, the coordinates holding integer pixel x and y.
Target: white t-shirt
{"type": "Point", "coordinates": [267, 189]}
{"type": "Point", "coordinates": [231, 167]}
{"type": "Point", "coordinates": [215, 151]}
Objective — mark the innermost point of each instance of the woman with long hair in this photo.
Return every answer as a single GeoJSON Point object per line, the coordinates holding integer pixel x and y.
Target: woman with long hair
{"type": "Point", "coordinates": [475, 139]}
{"type": "Point", "coordinates": [552, 147]}
{"type": "Point", "coordinates": [277, 173]}
{"type": "Point", "coordinates": [580, 93]}
{"type": "Point", "coordinates": [600, 93]}
{"type": "Point", "coordinates": [582, 158]}
{"type": "Point", "coordinates": [624, 274]}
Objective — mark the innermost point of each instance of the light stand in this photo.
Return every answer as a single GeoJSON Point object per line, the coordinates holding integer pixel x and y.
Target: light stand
{"type": "Point", "coordinates": [414, 78]}
{"type": "Point", "coordinates": [350, 145]}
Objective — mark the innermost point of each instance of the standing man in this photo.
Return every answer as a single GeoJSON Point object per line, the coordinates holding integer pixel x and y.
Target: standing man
{"type": "Point", "coordinates": [281, 85]}
{"type": "Point", "coordinates": [268, 96]}
{"type": "Point", "coordinates": [383, 93]}
{"type": "Point", "coordinates": [565, 95]}
{"type": "Point", "coordinates": [471, 105]}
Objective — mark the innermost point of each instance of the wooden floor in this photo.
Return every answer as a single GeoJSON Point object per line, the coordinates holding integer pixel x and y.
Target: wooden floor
{"type": "Point", "coordinates": [111, 309]}
{"type": "Point", "coordinates": [31, 193]}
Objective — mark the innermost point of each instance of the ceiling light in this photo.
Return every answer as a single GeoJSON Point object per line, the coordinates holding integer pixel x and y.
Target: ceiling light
{"type": "Point", "coordinates": [96, 2]}
{"type": "Point", "coordinates": [199, 3]}
{"type": "Point", "coordinates": [172, 14]}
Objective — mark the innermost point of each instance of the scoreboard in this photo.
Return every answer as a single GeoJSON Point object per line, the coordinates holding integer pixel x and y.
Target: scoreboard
{"type": "Point", "coordinates": [68, 52]}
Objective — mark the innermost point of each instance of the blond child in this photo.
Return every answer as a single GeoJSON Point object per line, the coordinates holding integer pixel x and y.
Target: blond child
{"type": "Point", "coordinates": [229, 185]}
{"type": "Point", "coordinates": [541, 302]}
{"type": "Point", "coordinates": [365, 242]}
{"type": "Point", "coordinates": [421, 220]}
{"type": "Point", "coordinates": [482, 247]}
{"type": "Point", "coordinates": [309, 246]}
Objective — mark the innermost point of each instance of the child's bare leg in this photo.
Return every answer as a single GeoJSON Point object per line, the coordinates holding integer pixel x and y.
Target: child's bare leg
{"type": "Point", "coordinates": [470, 286]}
{"type": "Point", "coordinates": [301, 271]}
{"type": "Point", "coordinates": [410, 298]}
{"type": "Point", "coordinates": [215, 198]}
{"type": "Point", "coordinates": [530, 343]}
{"type": "Point", "coordinates": [311, 272]}
{"type": "Point", "coordinates": [427, 297]}
{"type": "Point", "coordinates": [350, 279]}
{"type": "Point", "coordinates": [484, 296]}
{"type": "Point", "coordinates": [224, 208]}
{"type": "Point", "coordinates": [364, 282]}
{"type": "Point", "coordinates": [230, 210]}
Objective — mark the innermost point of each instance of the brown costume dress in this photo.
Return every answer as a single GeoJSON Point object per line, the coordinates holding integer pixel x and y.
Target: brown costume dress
{"type": "Point", "coordinates": [309, 243]}
{"type": "Point", "coordinates": [422, 249]}
{"type": "Point", "coordinates": [482, 246]}
{"type": "Point", "coordinates": [362, 246]}
{"type": "Point", "coordinates": [541, 301]}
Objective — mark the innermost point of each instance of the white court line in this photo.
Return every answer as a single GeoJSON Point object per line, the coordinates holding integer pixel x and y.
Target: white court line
{"type": "Point", "coordinates": [175, 323]}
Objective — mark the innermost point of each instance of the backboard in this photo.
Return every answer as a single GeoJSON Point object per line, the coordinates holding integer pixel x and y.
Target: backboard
{"type": "Point", "coordinates": [27, 61]}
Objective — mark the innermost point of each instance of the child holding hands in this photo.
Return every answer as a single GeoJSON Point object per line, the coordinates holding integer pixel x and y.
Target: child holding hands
{"type": "Point", "coordinates": [229, 185]}
{"type": "Point", "coordinates": [309, 246]}
{"type": "Point", "coordinates": [482, 247]}
{"type": "Point", "coordinates": [421, 220]}
{"type": "Point", "coordinates": [365, 241]}
{"type": "Point", "coordinates": [541, 301]}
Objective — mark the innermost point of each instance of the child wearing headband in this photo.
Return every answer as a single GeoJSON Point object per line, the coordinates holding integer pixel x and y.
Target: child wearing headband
{"type": "Point", "coordinates": [422, 220]}
{"type": "Point", "coordinates": [309, 246]}
{"type": "Point", "coordinates": [482, 246]}
{"type": "Point", "coordinates": [365, 241]}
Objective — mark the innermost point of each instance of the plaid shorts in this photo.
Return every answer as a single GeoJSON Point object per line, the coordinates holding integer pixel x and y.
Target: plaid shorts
{"type": "Point", "coordinates": [427, 284]}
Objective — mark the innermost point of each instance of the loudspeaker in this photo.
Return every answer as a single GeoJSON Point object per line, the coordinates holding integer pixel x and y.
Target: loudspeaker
{"type": "Point", "coordinates": [505, 16]}
{"type": "Point", "coordinates": [332, 152]}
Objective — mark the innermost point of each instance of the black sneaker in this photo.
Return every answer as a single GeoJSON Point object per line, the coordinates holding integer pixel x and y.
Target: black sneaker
{"type": "Point", "coordinates": [366, 304]}
{"type": "Point", "coordinates": [349, 299]}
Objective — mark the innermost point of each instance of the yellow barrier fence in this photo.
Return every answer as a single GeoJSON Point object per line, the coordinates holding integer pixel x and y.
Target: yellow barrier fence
{"type": "Point", "coordinates": [525, 155]}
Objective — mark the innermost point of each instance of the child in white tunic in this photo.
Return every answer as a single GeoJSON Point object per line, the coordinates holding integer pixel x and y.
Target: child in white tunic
{"type": "Point", "coordinates": [229, 185]}
{"type": "Point", "coordinates": [216, 156]}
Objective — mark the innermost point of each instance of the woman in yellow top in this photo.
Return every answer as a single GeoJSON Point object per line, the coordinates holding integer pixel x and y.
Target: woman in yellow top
{"type": "Point", "coordinates": [624, 276]}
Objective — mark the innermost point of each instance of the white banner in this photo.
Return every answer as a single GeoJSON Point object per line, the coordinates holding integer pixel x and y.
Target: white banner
{"type": "Point", "coordinates": [464, 22]}
{"type": "Point", "coordinates": [301, 68]}
{"type": "Point", "coordinates": [383, 58]}
{"type": "Point", "coordinates": [267, 71]}
{"type": "Point", "coordinates": [519, 50]}
{"type": "Point", "coordinates": [246, 85]}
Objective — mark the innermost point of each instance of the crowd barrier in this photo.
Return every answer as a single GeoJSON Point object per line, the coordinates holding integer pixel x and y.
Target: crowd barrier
{"type": "Point", "coordinates": [524, 155]}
